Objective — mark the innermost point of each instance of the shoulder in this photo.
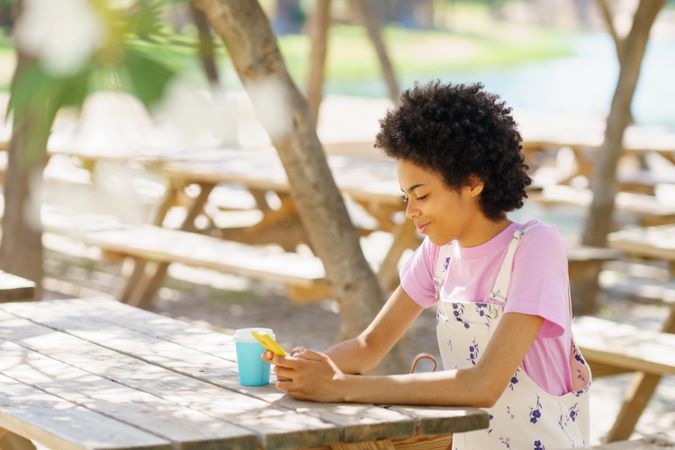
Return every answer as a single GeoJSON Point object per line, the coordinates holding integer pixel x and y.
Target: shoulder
{"type": "Point", "coordinates": [542, 239]}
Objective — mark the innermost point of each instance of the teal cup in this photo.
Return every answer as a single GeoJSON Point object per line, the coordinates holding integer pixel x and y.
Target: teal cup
{"type": "Point", "coordinates": [253, 370]}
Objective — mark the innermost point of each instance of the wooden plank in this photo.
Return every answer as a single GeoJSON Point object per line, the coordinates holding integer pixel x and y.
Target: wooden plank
{"type": "Point", "coordinates": [358, 422]}
{"type": "Point", "coordinates": [648, 443]}
{"type": "Point", "coordinates": [642, 204]}
{"type": "Point", "coordinates": [57, 423]}
{"type": "Point", "coordinates": [433, 420]}
{"type": "Point", "coordinates": [625, 346]}
{"type": "Point", "coordinates": [276, 428]}
{"type": "Point", "coordinates": [14, 288]}
{"type": "Point", "coordinates": [651, 242]}
{"type": "Point", "coordinates": [261, 169]}
{"type": "Point", "coordinates": [186, 428]}
{"type": "Point", "coordinates": [164, 245]}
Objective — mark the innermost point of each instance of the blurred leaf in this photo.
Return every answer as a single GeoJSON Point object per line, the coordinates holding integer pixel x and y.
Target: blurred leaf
{"type": "Point", "coordinates": [145, 18]}
{"type": "Point", "coordinates": [147, 76]}
{"type": "Point", "coordinates": [37, 87]}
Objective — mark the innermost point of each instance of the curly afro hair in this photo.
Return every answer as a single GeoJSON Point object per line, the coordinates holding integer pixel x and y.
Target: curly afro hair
{"type": "Point", "coordinates": [460, 131]}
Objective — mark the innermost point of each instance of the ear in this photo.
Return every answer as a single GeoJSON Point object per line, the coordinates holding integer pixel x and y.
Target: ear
{"type": "Point", "coordinates": [475, 186]}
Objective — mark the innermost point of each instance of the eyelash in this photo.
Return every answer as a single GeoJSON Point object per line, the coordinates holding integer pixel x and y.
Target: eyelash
{"type": "Point", "coordinates": [405, 199]}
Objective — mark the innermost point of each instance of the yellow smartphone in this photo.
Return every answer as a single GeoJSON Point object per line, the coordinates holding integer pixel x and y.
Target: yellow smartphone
{"type": "Point", "coordinates": [269, 343]}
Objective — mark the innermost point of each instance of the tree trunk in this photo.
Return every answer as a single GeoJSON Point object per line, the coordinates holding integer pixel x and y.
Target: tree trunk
{"type": "Point", "coordinates": [618, 42]}
{"type": "Point", "coordinates": [599, 220]}
{"type": "Point", "coordinates": [369, 19]}
{"type": "Point", "coordinates": [247, 34]}
{"type": "Point", "coordinates": [320, 25]}
{"type": "Point", "coordinates": [206, 54]}
{"type": "Point", "coordinates": [611, 28]}
{"type": "Point", "coordinates": [21, 249]}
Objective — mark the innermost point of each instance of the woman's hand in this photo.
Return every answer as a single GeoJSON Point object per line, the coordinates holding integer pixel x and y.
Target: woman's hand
{"type": "Point", "coordinates": [269, 356]}
{"type": "Point", "coordinates": [308, 375]}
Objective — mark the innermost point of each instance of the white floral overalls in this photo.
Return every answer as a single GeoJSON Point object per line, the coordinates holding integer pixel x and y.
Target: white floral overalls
{"type": "Point", "coordinates": [525, 416]}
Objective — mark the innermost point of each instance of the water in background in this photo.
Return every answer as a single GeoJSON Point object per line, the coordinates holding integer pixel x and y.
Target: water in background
{"type": "Point", "coordinates": [582, 83]}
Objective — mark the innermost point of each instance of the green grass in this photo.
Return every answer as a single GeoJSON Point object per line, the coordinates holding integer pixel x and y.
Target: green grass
{"type": "Point", "coordinates": [351, 56]}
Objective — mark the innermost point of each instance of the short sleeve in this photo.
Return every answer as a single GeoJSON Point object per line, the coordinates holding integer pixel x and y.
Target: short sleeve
{"type": "Point", "coordinates": [540, 280]}
{"type": "Point", "coordinates": [417, 274]}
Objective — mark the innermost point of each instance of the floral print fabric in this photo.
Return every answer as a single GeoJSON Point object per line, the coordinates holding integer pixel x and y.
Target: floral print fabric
{"type": "Point", "coordinates": [525, 416]}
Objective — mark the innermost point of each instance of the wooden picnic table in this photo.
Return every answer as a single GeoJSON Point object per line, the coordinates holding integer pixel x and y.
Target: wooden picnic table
{"type": "Point", "coordinates": [652, 243]}
{"type": "Point", "coordinates": [98, 374]}
{"type": "Point", "coordinates": [649, 242]}
{"type": "Point", "coordinates": [584, 138]}
{"type": "Point", "coordinates": [371, 183]}
{"type": "Point", "coordinates": [14, 288]}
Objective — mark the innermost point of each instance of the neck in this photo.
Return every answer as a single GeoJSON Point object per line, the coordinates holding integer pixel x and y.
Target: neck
{"type": "Point", "coordinates": [482, 230]}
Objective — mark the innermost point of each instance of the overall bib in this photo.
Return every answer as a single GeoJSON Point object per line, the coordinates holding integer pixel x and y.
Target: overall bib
{"type": "Point", "coordinates": [525, 416]}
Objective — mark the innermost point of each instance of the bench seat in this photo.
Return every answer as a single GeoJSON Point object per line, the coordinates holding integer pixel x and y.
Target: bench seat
{"type": "Point", "coordinates": [625, 346]}
{"type": "Point", "coordinates": [163, 245]}
{"type": "Point", "coordinates": [651, 209]}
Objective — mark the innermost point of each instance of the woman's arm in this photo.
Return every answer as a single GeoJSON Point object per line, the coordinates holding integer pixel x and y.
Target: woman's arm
{"type": "Point", "coordinates": [314, 376]}
{"type": "Point", "coordinates": [366, 351]}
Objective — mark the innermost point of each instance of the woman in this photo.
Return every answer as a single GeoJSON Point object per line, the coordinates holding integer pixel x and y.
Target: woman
{"type": "Point", "coordinates": [501, 288]}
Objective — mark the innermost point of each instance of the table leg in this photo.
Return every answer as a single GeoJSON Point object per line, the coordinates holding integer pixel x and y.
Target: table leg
{"type": "Point", "coordinates": [639, 393]}
{"type": "Point", "coordinates": [278, 226]}
{"type": "Point", "coordinates": [584, 286]}
{"type": "Point", "coordinates": [133, 280]}
{"type": "Point", "coordinates": [146, 288]}
{"type": "Point", "coordinates": [405, 237]}
{"type": "Point", "coordinates": [12, 441]}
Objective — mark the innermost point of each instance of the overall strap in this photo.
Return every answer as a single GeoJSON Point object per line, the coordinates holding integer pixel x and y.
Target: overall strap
{"type": "Point", "coordinates": [442, 263]}
{"type": "Point", "coordinates": [501, 285]}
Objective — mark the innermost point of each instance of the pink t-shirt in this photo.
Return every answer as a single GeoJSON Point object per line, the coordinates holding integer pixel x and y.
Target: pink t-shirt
{"type": "Point", "coordinates": [539, 286]}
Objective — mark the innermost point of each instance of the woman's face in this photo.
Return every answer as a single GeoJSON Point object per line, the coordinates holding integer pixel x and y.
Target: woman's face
{"type": "Point", "coordinates": [439, 212]}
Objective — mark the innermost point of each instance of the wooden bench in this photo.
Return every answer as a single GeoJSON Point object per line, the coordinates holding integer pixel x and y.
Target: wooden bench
{"type": "Point", "coordinates": [648, 443]}
{"type": "Point", "coordinates": [611, 348]}
{"type": "Point", "coordinates": [302, 274]}
{"type": "Point", "coordinates": [650, 209]}
{"type": "Point", "coordinates": [13, 288]}
{"type": "Point", "coordinates": [642, 290]}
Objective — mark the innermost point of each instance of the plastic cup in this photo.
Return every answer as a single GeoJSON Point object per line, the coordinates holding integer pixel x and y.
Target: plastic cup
{"type": "Point", "coordinates": [253, 370]}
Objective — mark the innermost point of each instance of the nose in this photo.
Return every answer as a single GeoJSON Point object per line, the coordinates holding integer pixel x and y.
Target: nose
{"type": "Point", "coordinates": [411, 211]}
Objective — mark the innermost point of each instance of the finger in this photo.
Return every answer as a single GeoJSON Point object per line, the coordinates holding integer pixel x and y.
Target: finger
{"type": "Point", "coordinates": [283, 385]}
{"type": "Point", "coordinates": [312, 355]}
{"type": "Point", "coordinates": [290, 362]}
{"type": "Point", "coordinates": [297, 350]}
{"type": "Point", "coordinates": [284, 373]}
{"type": "Point", "coordinates": [267, 356]}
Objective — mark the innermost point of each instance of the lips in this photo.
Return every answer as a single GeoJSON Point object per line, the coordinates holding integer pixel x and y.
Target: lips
{"type": "Point", "coordinates": [422, 228]}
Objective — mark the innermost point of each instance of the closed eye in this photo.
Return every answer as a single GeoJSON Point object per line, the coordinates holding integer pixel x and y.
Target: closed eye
{"type": "Point", "coordinates": [422, 197]}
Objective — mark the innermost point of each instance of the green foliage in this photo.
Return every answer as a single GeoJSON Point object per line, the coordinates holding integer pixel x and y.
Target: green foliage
{"type": "Point", "coordinates": [147, 77]}
{"type": "Point", "coordinates": [36, 87]}
{"type": "Point", "coordinates": [124, 61]}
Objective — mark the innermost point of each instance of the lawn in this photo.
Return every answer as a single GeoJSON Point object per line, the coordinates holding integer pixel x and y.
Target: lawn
{"type": "Point", "coordinates": [351, 57]}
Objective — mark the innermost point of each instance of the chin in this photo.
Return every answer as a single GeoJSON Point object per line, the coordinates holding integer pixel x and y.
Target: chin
{"type": "Point", "coordinates": [440, 241]}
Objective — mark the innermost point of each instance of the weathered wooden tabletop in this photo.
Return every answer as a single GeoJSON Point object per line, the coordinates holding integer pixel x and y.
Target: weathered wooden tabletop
{"type": "Point", "coordinates": [13, 288]}
{"type": "Point", "coordinates": [99, 374]}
